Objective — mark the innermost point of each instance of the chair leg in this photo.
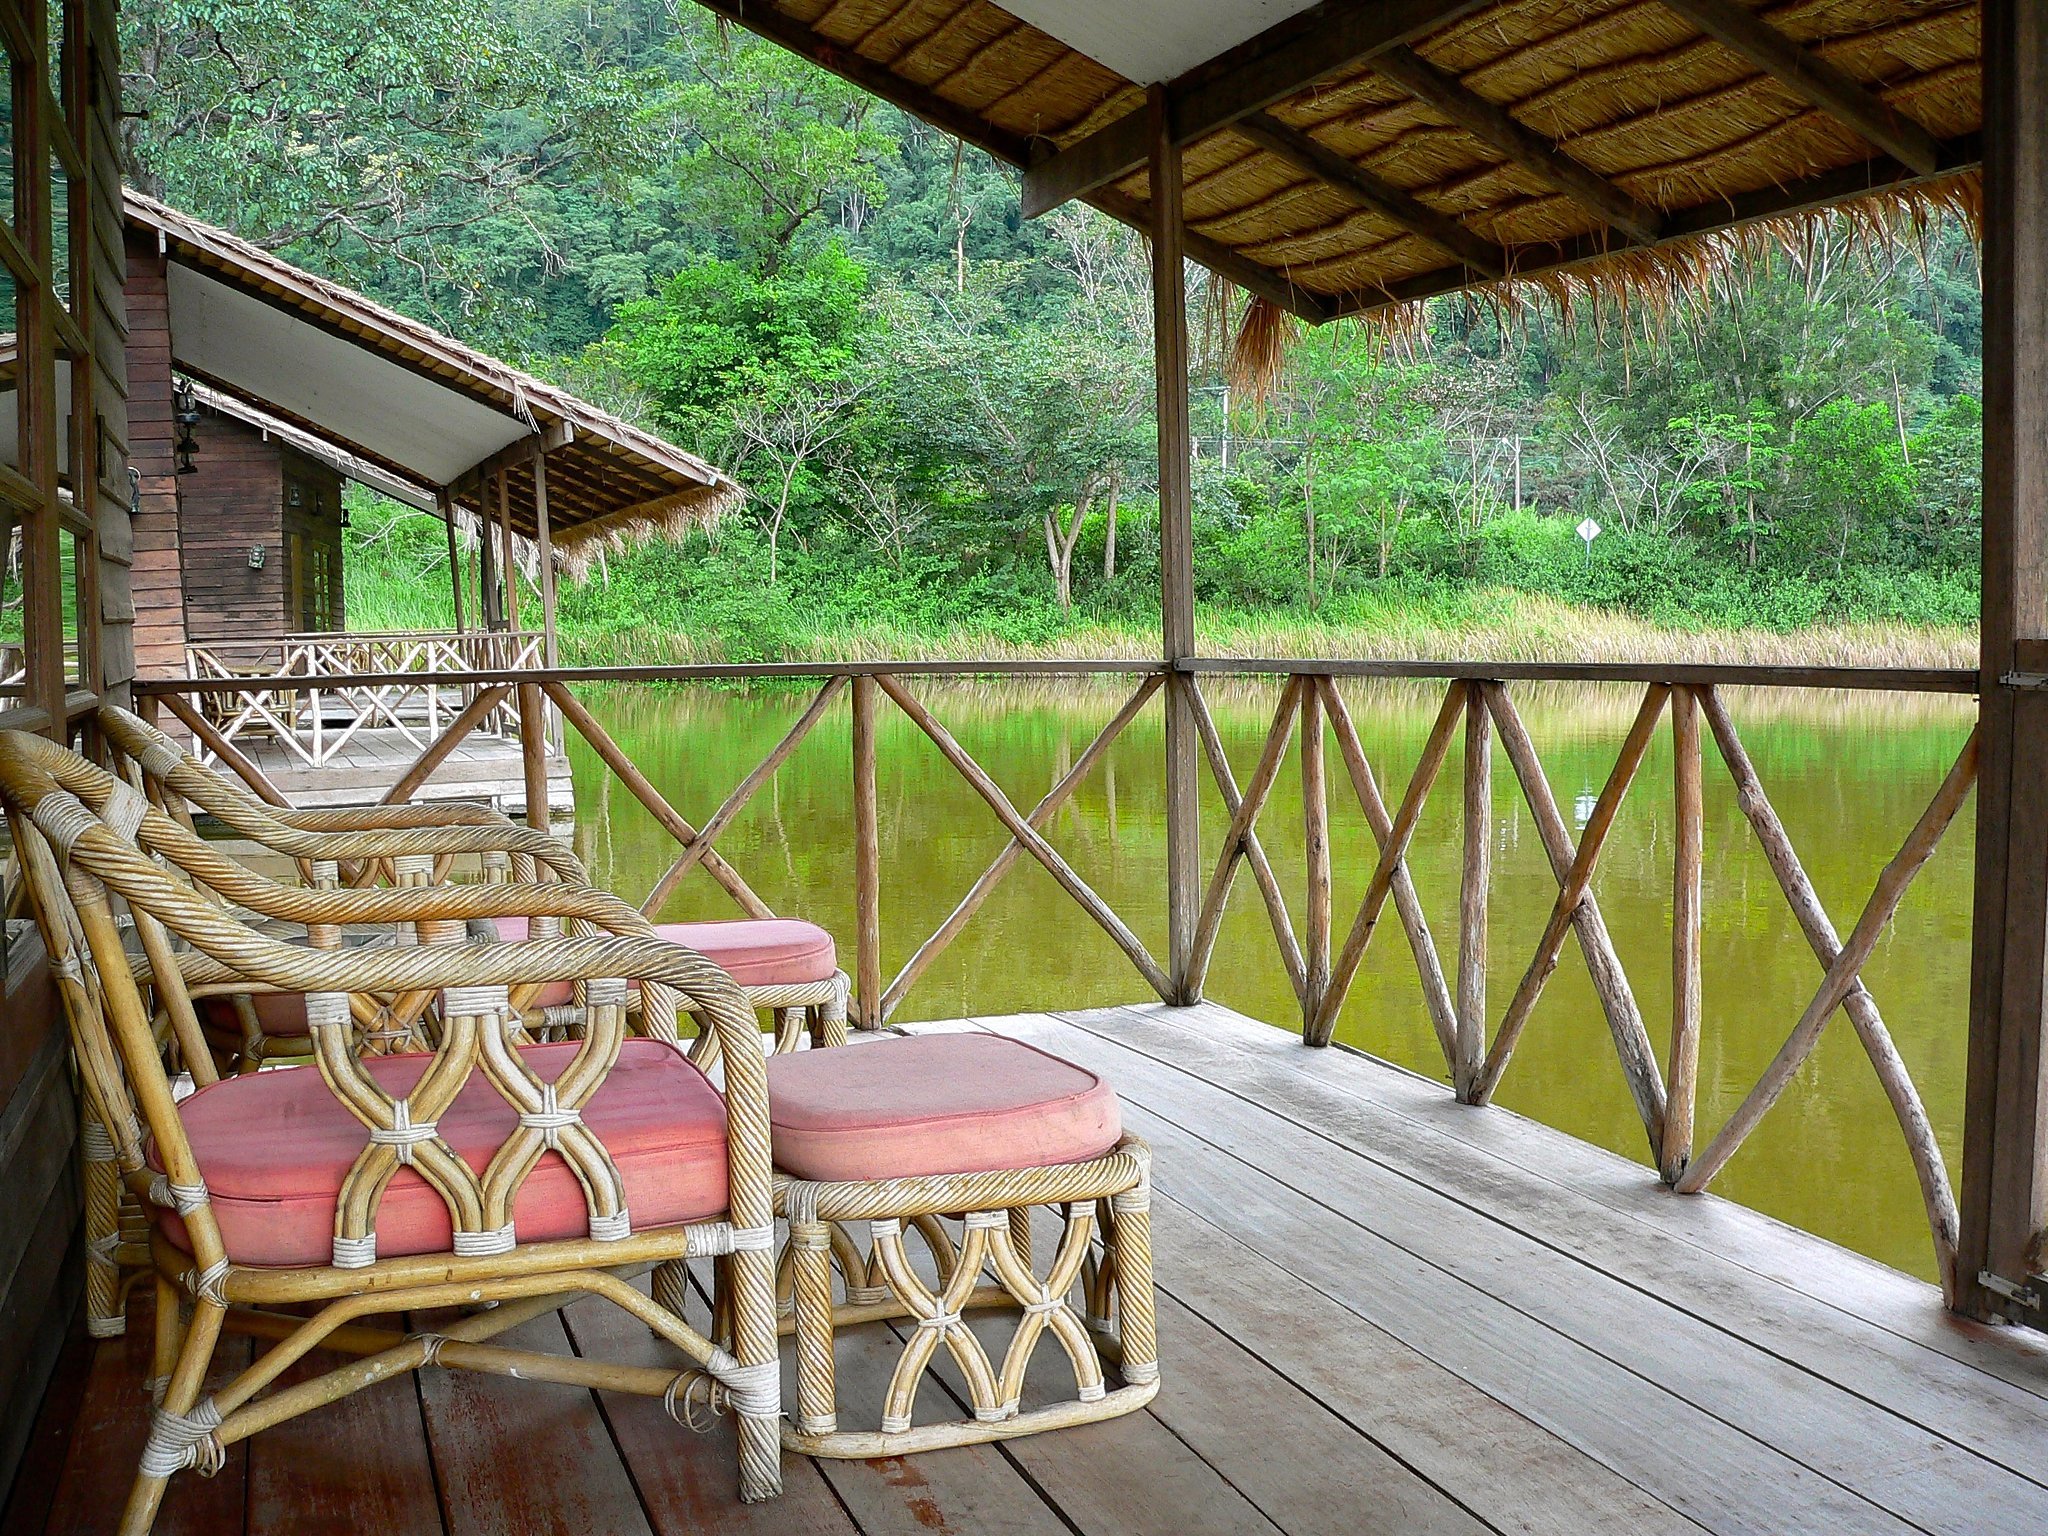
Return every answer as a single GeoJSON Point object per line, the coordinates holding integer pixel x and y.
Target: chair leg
{"type": "Point", "coordinates": [171, 1324]}
{"type": "Point", "coordinates": [749, 1277]}
{"type": "Point", "coordinates": [810, 1244]}
{"type": "Point", "coordinates": [180, 1429]}
{"type": "Point", "coordinates": [105, 1317]}
{"type": "Point", "coordinates": [1131, 1256]}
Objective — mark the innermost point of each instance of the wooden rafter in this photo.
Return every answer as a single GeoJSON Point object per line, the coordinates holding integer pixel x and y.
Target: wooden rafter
{"type": "Point", "coordinates": [1360, 186]}
{"type": "Point", "coordinates": [1958, 154]}
{"type": "Point", "coordinates": [1249, 78]}
{"type": "Point", "coordinates": [1814, 79]}
{"type": "Point", "coordinates": [1495, 127]}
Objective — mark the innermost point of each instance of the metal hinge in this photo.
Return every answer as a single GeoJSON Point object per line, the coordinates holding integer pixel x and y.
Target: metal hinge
{"type": "Point", "coordinates": [2026, 680]}
{"type": "Point", "coordinates": [2019, 1295]}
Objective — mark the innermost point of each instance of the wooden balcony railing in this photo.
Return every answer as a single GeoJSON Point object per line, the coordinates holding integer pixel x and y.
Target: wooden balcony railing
{"type": "Point", "coordinates": [323, 698]}
{"type": "Point", "coordinates": [1479, 703]}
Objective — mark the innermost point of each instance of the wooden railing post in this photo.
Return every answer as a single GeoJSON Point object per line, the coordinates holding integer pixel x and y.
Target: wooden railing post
{"type": "Point", "coordinates": [533, 752]}
{"type": "Point", "coordinates": [867, 858]}
{"type": "Point", "coordinates": [1315, 810]}
{"type": "Point", "coordinates": [1682, 1065]}
{"type": "Point", "coordinates": [1176, 551]}
{"type": "Point", "coordinates": [2005, 1114]}
{"type": "Point", "coordinates": [1475, 880]}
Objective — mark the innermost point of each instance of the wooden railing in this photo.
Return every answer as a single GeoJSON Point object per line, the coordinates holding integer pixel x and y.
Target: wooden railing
{"type": "Point", "coordinates": [322, 697]}
{"type": "Point", "coordinates": [1479, 704]}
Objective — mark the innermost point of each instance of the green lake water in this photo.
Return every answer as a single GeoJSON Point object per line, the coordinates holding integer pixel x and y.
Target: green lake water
{"type": "Point", "coordinates": [1848, 774]}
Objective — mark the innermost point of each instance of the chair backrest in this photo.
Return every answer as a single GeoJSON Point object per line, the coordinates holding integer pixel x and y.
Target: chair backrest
{"type": "Point", "coordinates": [440, 831]}
{"type": "Point", "coordinates": [547, 906]}
{"type": "Point", "coordinates": [82, 851]}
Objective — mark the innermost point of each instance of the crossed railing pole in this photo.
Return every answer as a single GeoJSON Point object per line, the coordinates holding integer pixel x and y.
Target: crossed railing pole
{"type": "Point", "coordinates": [1311, 712]}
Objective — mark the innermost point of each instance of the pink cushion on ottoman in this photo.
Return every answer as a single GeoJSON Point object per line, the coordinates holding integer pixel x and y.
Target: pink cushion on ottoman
{"type": "Point", "coordinates": [753, 951]}
{"type": "Point", "coordinates": [275, 1146]}
{"type": "Point", "coordinates": [966, 1103]}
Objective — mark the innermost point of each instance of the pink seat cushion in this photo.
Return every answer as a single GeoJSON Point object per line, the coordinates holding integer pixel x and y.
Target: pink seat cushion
{"type": "Point", "coordinates": [753, 951]}
{"type": "Point", "coordinates": [274, 1147]}
{"type": "Point", "coordinates": [964, 1103]}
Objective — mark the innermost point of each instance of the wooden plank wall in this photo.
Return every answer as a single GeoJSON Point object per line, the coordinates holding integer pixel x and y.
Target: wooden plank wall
{"type": "Point", "coordinates": [41, 1258]}
{"type": "Point", "coordinates": [106, 328]}
{"type": "Point", "coordinates": [233, 503]}
{"type": "Point", "coordinates": [158, 572]}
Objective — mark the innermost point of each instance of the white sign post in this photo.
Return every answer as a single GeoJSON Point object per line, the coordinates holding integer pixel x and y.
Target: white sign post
{"type": "Point", "coordinates": [1589, 531]}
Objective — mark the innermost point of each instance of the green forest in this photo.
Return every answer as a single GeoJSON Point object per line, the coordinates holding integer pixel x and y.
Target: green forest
{"type": "Point", "coordinates": [942, 413]}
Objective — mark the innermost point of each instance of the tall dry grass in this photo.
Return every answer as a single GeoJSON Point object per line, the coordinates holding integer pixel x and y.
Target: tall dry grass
{"type": "Point", "coordinates": [1506, 626]}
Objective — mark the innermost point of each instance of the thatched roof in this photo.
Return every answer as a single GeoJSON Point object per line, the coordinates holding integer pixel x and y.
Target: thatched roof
{"type": "Point", "coordinates": [310, 355]}
{"type": "Point", "coordinates": [1344, 156]}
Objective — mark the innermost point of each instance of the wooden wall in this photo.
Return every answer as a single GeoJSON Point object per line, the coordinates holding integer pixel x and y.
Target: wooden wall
{"type": "Point", "coordinates": [41, 1257]}
{"type": "Point", "coordinates": [157, 576]}
{"type": "Point", "coordinates": [231, 504]}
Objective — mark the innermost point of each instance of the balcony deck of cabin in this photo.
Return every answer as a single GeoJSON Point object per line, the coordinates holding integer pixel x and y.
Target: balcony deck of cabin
{"type": "Point", "coordinates": [1380, 1310]}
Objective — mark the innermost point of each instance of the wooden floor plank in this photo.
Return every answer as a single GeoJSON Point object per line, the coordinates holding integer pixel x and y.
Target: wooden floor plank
{"type": "Point", "coordinates": [1127, 1476]}
{"type": "Point", "coordinates": [1726, 1478]}
{"type": "Point", "coordinates": [1846, 1437]}
{"type": "Point", "coordinates": [358, 1464]}
{"type": "Point", "coordinates": [1511, 1472]}
{"type": "Point", "coordinates": [1840, 1278]}
{"type": "Point", "coordinates": [1304, 1468]}
{"type": "Point", "coordinates": [107, 1439]}
{"type": "Point", "coordinates": [525, 1458]}
{"type": "Point", "coordinates": [1337, 1098]}
{"type": "Point", "coordinates": [687, 1480]}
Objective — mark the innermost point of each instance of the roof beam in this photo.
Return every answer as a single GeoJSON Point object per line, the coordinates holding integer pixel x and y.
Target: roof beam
{"type": "Point", "coordinates": [1382, 197]}
{"type": "Point", "coordinates": [1269, 283]}
{"type": "Point", "coordinates": [518, 451]}
{"type": "Point", "coordinates": [1249, 78]}
{"type": "Point", "coordinates": [1492, 125]}
{"type": "Point", "coordinates": [1953, 155]}
{"type": "Point", "coordinates": [1809, 75]}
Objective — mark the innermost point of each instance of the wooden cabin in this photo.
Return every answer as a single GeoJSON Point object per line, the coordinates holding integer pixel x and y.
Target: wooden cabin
{"type": "Point", "coordinates": [258, 392]}
{"type": "Point", "coordinates": [1386, 1304]}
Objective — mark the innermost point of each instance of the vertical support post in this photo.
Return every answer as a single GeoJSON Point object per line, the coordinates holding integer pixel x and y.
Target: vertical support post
{"type": "Point", "coordinates": [511, 549]}
{"type": "Point", "coordinates": [533, 753]}
{"type": "Point", "coordinates": [2005, 1121]}
{"type": "Point", "coordinates": [867, 858]}
{"type": "Point", "coordinates": [489, 601]}
{"type": "Point", "coordinates": [1176, 546]}
{"type": "Point", "coordinates": [1315, 810]}
{"type": "Point", "coordinates": [1682, 1068]}
{"type": "Point", "coordinates": [544, 540]}
{"type": "Point", "coordinates": [1476, 879]}
{"type": "Point", "coordinates": [446, 504]}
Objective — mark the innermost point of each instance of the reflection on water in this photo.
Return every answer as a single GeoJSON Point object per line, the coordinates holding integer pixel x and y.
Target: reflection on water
{"type": "Point", "coordinates": [1848, 773]}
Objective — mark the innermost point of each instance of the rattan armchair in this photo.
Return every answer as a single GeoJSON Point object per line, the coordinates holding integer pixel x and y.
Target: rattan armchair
{"type": "Point", "coordinates": [417, 844]}
{"type": "Point", "coordinates": [497, 1197]}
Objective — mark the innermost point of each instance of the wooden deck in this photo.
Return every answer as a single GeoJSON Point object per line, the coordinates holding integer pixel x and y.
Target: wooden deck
{"type": "Point", "coordinates": [1380, 1312]}
{"type": "Point", "coordinates": [483, 768]}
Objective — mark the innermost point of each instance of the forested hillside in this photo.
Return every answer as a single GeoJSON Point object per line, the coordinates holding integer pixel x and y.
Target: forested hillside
{"type": "Point", "coordinates": [943, 413]}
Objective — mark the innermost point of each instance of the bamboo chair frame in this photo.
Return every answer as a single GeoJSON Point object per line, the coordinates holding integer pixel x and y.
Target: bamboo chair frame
{"type": "Point", "coordinates": [389, 841]}
{"type": "Point", "coordinates": [80, 853]}
{"type": "Point", "coordinates": [1105, 1249]}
